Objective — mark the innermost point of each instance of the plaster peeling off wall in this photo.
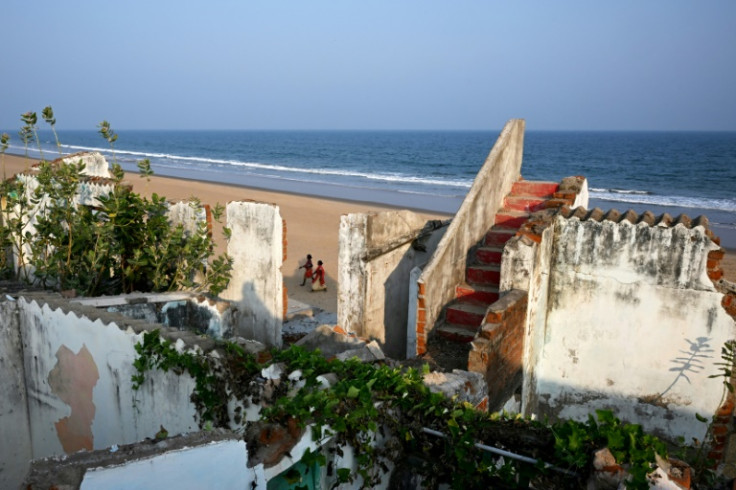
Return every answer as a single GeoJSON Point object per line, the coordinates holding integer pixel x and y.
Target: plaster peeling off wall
{"type": "Point", "coordinates": [257, 249]}
{"type": "Point", "coordinates": [78, 378]}
{"type": "Point", "coordinates": [633, 325]}
{"type": "Point", "coordinates": [72, 380]}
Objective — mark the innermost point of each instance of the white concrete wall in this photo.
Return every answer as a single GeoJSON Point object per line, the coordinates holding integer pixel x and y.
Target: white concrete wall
{"type": "Point", "coordinates": [95, 163]}
{"type": "Point", "coordinates": [67, 359]}
{"type": "Point", "coordinates": [15, 449]}
{"type": "Point", "coordinates": [187, 213]}
{"type": "Point", "coordinates": [374, 265]}
{"type": "Point", "coordinates": [257, 249]}
{"type": "Point", "coordinates": [88, 193]}
{"type": "Point", "coordinates": [220, 465]}
{"type": "Point", "coordinates": [633, 325]}
{"type": "Point", "coordinates": [476, 215]}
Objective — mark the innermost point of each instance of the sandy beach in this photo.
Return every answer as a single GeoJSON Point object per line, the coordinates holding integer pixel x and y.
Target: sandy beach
{"type": "Point", "coordinates": [312, 224]}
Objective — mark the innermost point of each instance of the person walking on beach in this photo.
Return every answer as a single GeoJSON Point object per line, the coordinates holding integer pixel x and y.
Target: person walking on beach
{"type": "Point", "coordinates": [318, 278]}
{"type": "Point", "coordinates": [307, 269]}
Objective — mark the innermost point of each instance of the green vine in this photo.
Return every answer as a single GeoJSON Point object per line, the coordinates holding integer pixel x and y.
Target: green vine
{"type": "Point", "coordinates": [392, 404]}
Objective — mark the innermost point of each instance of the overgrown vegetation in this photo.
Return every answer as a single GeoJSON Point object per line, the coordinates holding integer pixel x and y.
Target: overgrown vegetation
{"type": "Point", "coordinates": [369, 401]}
{"type": "Point", "coordinates": [124, 243]}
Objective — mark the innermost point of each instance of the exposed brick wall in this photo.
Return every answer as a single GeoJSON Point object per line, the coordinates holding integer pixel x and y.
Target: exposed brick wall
{"type": "Point", "coordinates": [722, 426]}
{"type": "Point", "coordinates": [421, 321]}
{"type": "Point", "coordinates": [208, 218]}
{"type": "Point", "coordinates": [498, 349]}
{"type": "Point", "coordinates": [721, 430]}
{"type": "Point", "coordinates": [284, 243]}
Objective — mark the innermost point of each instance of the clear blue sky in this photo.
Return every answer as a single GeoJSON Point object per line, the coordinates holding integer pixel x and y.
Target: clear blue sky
{"type": "Point", "coordinates": [400, 64]}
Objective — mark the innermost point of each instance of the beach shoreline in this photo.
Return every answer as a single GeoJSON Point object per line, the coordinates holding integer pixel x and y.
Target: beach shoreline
{"type": "Point", "coordinates": [312, 222]}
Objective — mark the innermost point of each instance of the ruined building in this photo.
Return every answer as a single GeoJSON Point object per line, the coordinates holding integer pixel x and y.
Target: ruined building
{"type": "Point", "coordinates": [553, 310]}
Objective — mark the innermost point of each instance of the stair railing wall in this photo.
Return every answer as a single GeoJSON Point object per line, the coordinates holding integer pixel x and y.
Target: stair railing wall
{"type": "Point", "coordinates": [446, 269]}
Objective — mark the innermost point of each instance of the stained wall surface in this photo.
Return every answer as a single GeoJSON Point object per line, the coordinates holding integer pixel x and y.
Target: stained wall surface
{"type": "Point", "coordinates": [71, 373]}
{"type": "Point", "coordinates": [257, 249]}
{"type": "Point", "coordinates": [376, 255]}
{"type": "Point", "coordinates": [633, 324]}
{"type": "Point", "coordinates": [14, 423]}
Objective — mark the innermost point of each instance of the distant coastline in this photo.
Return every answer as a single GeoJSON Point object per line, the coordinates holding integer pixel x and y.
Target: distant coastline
{"type": "Point", "coordinates": [685, 172]}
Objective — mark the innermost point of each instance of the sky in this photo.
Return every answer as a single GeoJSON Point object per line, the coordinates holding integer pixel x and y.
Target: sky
{"type": "Point", "coordinates": [406, 64]}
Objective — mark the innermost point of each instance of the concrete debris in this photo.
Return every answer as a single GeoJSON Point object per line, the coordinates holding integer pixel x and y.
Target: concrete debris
{"type": "Point", "coordinates": [329, 342]}
{"type": "Point", "coordinates": [370, 352]}
{"type": "Point", "coordinates": [468, 386]}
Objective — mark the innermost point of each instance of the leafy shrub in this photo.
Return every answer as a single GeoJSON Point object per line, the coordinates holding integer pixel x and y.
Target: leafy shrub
{"type": "Point", "coordinates": [125, 244]}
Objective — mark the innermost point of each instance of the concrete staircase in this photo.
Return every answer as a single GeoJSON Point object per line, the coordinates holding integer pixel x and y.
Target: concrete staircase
{"type": "Point", "coordinates": [464, 316]}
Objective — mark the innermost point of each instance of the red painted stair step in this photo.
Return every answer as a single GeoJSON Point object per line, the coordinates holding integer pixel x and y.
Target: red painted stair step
{"type": "Point", "coordinates": [466, 313]}
{"type": "Point", "coordinates": [456, 333]}
{"type": "Point", "coordinates": [534, 188]}
{"type": "Point", "coordinates": [483, 274]}
{"type": "Point", "coordinates": [484, 294]}
{"type": "Point", "coordinates": [511, 219]}
{"type": "Point", "coordinates": [489, 255]}
{"type": "Point", "coordinates": [498, 237]}
{"type": "Point", "coordinates": [524, 203]}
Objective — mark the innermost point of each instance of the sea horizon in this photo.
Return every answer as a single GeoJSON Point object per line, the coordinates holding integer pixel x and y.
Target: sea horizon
{"type": "Point", "coordinates": [678, 172]}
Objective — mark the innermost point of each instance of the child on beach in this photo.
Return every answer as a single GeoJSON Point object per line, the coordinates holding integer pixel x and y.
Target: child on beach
{"type": "Point", "coordinates": [307, 269]}
{"type": "Point", "coordinates": [318, 278]}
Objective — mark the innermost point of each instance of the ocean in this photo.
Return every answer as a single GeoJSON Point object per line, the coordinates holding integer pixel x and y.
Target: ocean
{"type": "Point", "coordinates": [676, 172]}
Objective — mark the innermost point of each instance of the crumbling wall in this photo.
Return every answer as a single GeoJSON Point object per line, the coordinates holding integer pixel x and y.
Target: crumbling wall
{"type": "Point", "coordinates": [95, 164]}
{"type": "Point", "coordinates": [182, 310]}
{"type": "Point", "coordinates": [446, 268]}
{"type": "Point", "coordinates": [376, 255]}
{"type": "Point", "coordinates": [496, 351]}
{"type": "Point", "coordinates": [212, 459]}
{"type": "Point", "coordinates": [15, 450]}
{"type": "Point", "coordinates": [77, 368]}
{"type": "Point", "coordinates": [526, 267]}
{"type": "Point", "coordinates": [634, 323]}
{"type": "Point", "coordinates": [191, 215]}
{"type": "Point", "coordinates": [257, 247]}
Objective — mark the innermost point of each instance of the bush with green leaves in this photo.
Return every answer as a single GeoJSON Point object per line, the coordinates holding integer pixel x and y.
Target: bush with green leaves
{"type": "Point", "coordinates": [125, 243]}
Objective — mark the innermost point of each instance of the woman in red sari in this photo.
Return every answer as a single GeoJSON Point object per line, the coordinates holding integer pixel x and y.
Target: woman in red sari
{"type": "Point", "coordinates": [318, 278]}
{"type": "Point", "coordinates": [307, 269]}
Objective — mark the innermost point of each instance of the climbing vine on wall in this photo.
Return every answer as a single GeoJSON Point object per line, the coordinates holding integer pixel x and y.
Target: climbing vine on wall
{"type": "Point", "coordinates": [366, 402]}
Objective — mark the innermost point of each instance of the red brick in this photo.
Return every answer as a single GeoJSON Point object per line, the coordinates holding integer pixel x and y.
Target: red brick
{"type": "Point", "coordinates": [494, 316]}
{"type": "Point", "coordinates": [715, 275]}
{"type": "Point", "coordinates": [726, 409]}
{"type": "Point", "coordinates": [712, 263]}
{"type": "Point", "coordinates": [716, 254]}
{"type": "Point", "coordinates": [422, 289]}
{"type": "Point", "coordinates": [420, 327]}
{"type": "Point", "coordinates": [720, 431]}
{"type": "Point", "coordinates": [727, 300]}
{"type": "Point", "coordinates": [532, 236]}
{"type": "Point", "coordinates": [421, 315]}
